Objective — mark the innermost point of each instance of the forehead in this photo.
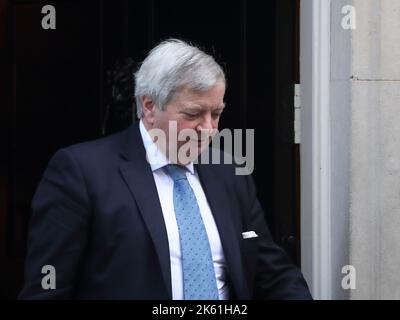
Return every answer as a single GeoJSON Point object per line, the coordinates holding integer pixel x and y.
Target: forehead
{"type": "Point", "coordinates": [214, 97]}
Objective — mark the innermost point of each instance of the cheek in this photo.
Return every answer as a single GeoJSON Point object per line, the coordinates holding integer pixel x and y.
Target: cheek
{"type": "Point", "coordinates": [163, 123]}
{"type": "Point", "coordinates": [215, 123]}
{"type": "Point", "coordinates": [185, 124]}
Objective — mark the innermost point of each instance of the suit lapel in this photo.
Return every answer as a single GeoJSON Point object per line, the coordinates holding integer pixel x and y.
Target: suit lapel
{"type": "Point", "coordinates": [219, 203]}
{"type": "Point", "coordinates": [137, 174]}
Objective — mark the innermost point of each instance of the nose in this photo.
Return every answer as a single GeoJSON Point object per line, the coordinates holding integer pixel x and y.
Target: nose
{"type": "Point", "coordinates": [206, 123]}
{"type": "Point", "coordinates": [206, 127]}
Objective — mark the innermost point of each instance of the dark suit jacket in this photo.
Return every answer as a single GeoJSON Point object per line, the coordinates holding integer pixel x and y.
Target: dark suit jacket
{"type": "Point", "coordinates": [97, 219]}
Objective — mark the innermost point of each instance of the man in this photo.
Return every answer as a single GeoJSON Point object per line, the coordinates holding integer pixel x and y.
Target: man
{"type": "Point", "coordinates": [129, 216]}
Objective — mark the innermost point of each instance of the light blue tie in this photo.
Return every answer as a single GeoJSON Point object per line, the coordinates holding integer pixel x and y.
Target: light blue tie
{"type": "Point", "coordinates": [199, 281]}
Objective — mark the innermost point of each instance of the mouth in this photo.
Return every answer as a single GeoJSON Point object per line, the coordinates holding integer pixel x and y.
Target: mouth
{"type": "Point", "coordinates": [194, 141]}
{"type": "Point", "coordinates": [208, 138]}
{"type": "Point", "coordinates": [200, 141]}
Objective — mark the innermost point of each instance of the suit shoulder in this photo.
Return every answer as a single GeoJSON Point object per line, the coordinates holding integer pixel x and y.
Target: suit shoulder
{"type": "Point", "coordinates": [94, 150]}
{"type": "Point", "coordinates": [95, 146]}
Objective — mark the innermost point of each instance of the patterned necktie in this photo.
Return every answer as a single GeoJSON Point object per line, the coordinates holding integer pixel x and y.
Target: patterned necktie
{"type": "Point", "coordinates": [199, 281]}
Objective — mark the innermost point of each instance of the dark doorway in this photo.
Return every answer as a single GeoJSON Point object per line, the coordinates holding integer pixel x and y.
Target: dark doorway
{"type": "Point", "coordinates": [57, 92]}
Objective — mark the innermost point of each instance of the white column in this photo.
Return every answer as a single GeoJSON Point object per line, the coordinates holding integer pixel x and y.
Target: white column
{"type": "Point", "coordinates": [315, 146]}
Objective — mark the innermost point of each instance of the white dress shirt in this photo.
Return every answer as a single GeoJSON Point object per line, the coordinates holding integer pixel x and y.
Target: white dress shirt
{"type": "Point", "coordinates": [165, 184]}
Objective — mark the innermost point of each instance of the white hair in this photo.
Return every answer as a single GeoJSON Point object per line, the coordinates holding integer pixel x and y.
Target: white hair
{"type": "Point", "coordinates": [171, 66]}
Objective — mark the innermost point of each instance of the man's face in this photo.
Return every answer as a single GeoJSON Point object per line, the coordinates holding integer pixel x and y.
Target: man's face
{"type": "Point", "coordinates": [197, 111]}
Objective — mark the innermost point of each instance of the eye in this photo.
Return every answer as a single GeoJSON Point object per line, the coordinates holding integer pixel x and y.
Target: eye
{"type": "Point", "coordinates": [190, 115]}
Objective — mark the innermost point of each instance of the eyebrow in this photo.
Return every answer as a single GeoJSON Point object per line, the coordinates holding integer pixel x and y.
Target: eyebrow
{"type": "Point", "coordinates": [199, 107]}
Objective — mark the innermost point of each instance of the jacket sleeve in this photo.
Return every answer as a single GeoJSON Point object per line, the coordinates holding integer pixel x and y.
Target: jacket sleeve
{"type": "Point", "coordinates": [58, 230]}
{"type": "Point", "coordinates": [275, 276]}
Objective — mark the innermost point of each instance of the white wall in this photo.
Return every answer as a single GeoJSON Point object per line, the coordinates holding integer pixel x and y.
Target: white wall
{"type": "Point", "coordinates": [375, 150]}
{"type": "Point", "coordinates": [350, 148]}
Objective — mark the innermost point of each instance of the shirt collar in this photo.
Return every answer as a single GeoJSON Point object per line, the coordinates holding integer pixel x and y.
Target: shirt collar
{"type": "Point", "coordinates": [156, 158]}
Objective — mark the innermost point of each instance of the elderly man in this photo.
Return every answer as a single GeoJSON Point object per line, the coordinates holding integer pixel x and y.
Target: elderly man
{"type": "Point", "coordinates": [130, 217]}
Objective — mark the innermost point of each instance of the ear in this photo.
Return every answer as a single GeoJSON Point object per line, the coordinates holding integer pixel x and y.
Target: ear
{"type": "Point", "coordinates": [148, 109]}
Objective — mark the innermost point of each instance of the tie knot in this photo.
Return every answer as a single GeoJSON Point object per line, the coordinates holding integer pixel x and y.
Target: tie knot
{"type": "Point", "coordinates": [176, 172]}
